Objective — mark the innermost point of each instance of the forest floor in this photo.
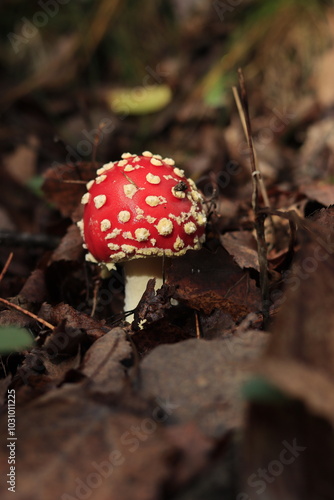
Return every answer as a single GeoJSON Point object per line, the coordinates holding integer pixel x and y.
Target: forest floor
{"type": "Point", "coordinates": [228, 393]}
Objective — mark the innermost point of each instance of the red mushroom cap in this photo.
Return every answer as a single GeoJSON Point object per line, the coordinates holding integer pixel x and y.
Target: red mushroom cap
{"type": "Point", "coordinates": [141, 206]}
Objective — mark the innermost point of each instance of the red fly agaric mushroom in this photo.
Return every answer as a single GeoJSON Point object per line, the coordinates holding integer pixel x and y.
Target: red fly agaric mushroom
{"type": "Point", "coordinates": [137, 211]}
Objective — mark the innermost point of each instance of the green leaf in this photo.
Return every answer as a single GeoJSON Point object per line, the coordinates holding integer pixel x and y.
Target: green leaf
{"type": "Point", "coordinates": [35, 185]}
{"type": "Point", "coordinates": [14, 339]}
{"type": "Point", "coordinates": [139, 100]}
{"type": "Point", "coordinates": [260, 390]}
{"type": "Point", "coordinates": [215, 96]}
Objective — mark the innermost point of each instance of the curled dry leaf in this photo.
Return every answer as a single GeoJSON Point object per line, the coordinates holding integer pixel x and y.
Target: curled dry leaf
{"type": "Point", "coordinates": [46, 366]}
{"type": "Point", "coordinates": [152, 305]}
{"type": "Point", "coordinates": [106, 360]}
{"type": "Point", "coordinates": [242, 246]}
{"type": "Point", "coordinates": [70, 247]}
{"type": "Point", "coordinates": [34, 290]}
{"type": "Point", "coordinates": [13, 317]}
{"type": "Point", "coordinates": [212, 280]}
{"type": "Point", "coordinates": [64, 185]}
{"type": "Point", "coordinates": [31, 294]}
{"type": "Point", "coordinates": [320, 192]}
{"type": "Point", "coordinates": [74, 319]}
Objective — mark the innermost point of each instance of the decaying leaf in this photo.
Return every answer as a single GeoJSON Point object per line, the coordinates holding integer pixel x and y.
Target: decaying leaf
{"type": "Point", "coordinates": [64, 185]}
{"type": "Point", "coordinates": [152, 305]}
{"type": "Point", "coordinates": [73, 318]}
{"type": "Point", "coordinates": [202, 379]}
{"type": "Point", "coordinates": [106, 360]}
{"type": "Point", "coordinates": [242, 246]}
{"type": "Point", "coordinates": [208, 280]}
{"type": "Point", "coordinates": [76, 447]}
{"type": "Point", "coordinates": [70, 247]}
{"type": "Point", "coordinates": [320, 192]}
{"type": "Point", "coordinates": [34, 290]}
{"type": "Point", "coordinates": [296, 436]}
{"type": "Point", "coordinates": [303, 330]}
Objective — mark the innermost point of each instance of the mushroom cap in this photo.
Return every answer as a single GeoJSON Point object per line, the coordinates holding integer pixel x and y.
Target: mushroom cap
{"type": "Point", "coordinates": [141, 206]}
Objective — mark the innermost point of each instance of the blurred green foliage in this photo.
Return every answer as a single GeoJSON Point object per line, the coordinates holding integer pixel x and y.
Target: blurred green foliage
{"type": "Point", "coordinates": [14, 339]}
{"type": "Point", "coordinates": [113, 42]}
{"type": "Point", "coordinates": [258, 389]}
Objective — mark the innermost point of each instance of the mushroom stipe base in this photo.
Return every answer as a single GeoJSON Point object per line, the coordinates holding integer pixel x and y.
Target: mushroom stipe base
{"type": "Point", "coordinates": [137, 273]}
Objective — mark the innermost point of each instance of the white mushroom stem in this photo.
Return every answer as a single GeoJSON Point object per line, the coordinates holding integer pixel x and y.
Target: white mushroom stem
{"type": "Point", "coordinates": [137, 273]}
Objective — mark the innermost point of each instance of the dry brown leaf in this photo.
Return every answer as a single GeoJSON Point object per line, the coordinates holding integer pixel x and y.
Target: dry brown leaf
{"type": "Point", "coordinates": [153, 305]}
{"type": "Point", "coordinates": [324, 219]}
{"type": "Point", "coordinates": [22, 163]}
{"type": "Point", "coordinates": [104, 362]}
{"type": "Point", "coordinates": [288, 445]}
{"type": "Point", "coordinates": [302, 344]}
{"type": "Point", "coordinates": [242, 246]}
{"type": "Point", "coordinates": [59, 188]}
{"type": "Point", "coordinates": [317, 152]}
{"type": "Point", "coordinates": [75, 447]}
{"type": "Point", "coordinates": [320, 192]}
{"type": "Point", "coordinates": [16, 318]}
{"type": "Point", "coordinates": [34, 290]}
{"type": "Point", "coordinates": [195, 450]}
{"type": "Point", "coordinates": [207, 280]}
{"type": "Point", "coordinates": [32, 293]}
{"type": "Point", "coordinates": [70, 247]}
{"type": "Point", "coordinates": [74, 319]}
{"type": "Point", "coordinates": [293, 378]}
{"type": "Point", "coordinates": [202, 379]}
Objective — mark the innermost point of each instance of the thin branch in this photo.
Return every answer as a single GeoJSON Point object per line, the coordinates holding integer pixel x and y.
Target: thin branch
{"type": "Point", "coordinates": [198, 328]}
{"type": "Point", "coordinates": [6, 266]}
{"type": "Point", "coordinates": [262, 186]}
{"type": "Point", "coordinates": [27, 313]}
{"type": "Point", "coordinates": [244, 100]}
{"type": "Point", "coordinates": [95, 292]}
{"type": "Point", "coordinates": [259, 217]}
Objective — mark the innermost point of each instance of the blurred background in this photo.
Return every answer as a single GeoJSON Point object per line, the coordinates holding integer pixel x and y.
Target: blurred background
{"type": "Point", "coordinates": [86, 80]}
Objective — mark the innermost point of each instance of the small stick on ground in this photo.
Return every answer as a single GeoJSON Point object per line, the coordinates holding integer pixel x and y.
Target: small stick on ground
{"type": "Point", "coordinates": [6, 266]}
{"type": "Point", "coordinates": [27, 313]}
{"type": "Point", "coordinates": [198, 328]}
{"type": "Point", "coordinates": [95, 293]}
{"type": "Point", "coordinates": [259, 217]}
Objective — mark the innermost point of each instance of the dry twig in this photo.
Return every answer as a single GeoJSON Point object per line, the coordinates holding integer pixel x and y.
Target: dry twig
{"type": "Point", "coordinates": [6, 266]}
{"type": "Point", "coordinates": [259, 216]}
{"type": "Point", "coordinates": [28, 313]}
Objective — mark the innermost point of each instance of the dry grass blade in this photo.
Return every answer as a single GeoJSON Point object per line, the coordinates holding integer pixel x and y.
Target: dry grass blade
{"type": "Point", "coordinates": [261, 184]}
{"type": "Point", "coordinates": [259, 217]}
{"type": "Point", "coordinates": [100, 24]}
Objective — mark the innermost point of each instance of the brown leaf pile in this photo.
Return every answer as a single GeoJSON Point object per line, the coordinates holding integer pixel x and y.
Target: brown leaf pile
{"type": "Point", "coordinates": [299, 362]}
{"type": "Point", "coordinates": [193, 400]}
